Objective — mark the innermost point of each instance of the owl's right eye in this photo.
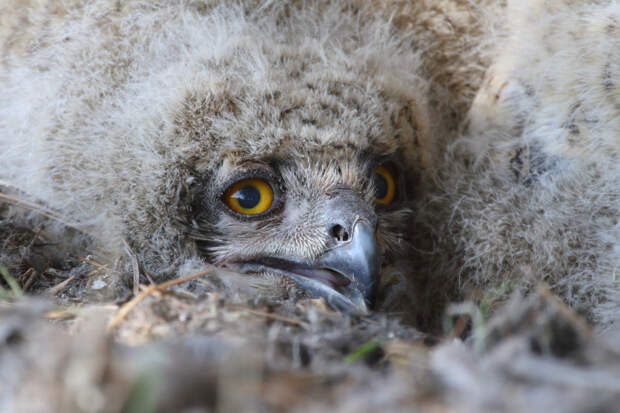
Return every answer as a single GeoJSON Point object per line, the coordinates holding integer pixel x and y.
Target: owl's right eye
{"type": "Point", "coordinates": [249, 196]}
{"type": "Point", "coordinates": [385, 185]}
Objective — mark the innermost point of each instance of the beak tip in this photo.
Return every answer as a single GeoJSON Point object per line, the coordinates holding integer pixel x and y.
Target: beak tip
{"type": "Point", "coordinates": [360, 261]}
{"type": "Point", "coordinates": [362, 311]}
{"type": "Point", "coordinates": [353, 304]}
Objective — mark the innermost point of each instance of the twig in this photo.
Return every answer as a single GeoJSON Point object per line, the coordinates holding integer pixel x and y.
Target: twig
{"type": "Point", "coordinates": [42, 211]}
{"type": "Point", "coordinates": [135, 266]}
{"type": "Point", "coordinates": [30, 280]}
{"type": "Point", "coordinates": [60, 286]}
{"type": "Point", "coordinates": [459, 327]}
{"type": "Point", "coordinates": [23, 278]}
{"type": "Point", "coordinates": [60, 315]}
{"type": "Point", "coordinates": [126, 309]}
{"type": "Point", "coordinates": [38, 234]}
{"type": "Point", "coordinates": [148, 276]}
{"type": "Point", "coordinates": [91, 261]}
{"type": "Point", "coordinates": [544, 290]}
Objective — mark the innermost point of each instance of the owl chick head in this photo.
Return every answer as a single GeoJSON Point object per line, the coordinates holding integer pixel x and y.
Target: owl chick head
{"type": "Point", "coordinates": [303, 163]}
{"type": "Point", "coordinates": [276, 138]}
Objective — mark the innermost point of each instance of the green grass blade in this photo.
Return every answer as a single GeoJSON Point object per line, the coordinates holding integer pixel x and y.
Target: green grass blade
{"type": "Point", "coordinates": [13, 285]}
{"type": "Point", "coordinates": [363, 350]}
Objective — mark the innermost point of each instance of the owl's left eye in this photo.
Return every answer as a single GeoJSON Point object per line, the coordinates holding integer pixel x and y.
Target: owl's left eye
{"type": "Point", "coordinates": [385, 185]}
{"type": "Point", "coordinates": [249, 196]}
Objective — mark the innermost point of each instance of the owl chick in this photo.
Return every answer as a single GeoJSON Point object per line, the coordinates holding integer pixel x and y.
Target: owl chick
{"type": "Point", "coordinates": [530, 191]}
{"type": "Point", "coordinates": [281, 139]}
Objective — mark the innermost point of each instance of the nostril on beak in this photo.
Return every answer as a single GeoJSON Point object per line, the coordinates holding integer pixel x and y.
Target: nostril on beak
{"type": "Point", "coordinates": [340, 233]}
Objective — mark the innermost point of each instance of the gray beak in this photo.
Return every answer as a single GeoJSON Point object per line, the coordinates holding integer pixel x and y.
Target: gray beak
{"type": "Point", "coordinates": [345, 274]}
{"type": "Point", "coordinates": [359, 261]}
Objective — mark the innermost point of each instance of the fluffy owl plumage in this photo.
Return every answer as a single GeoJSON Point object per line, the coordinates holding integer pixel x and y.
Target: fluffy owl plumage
{"type": "Point", "coordinates": [530, 191]}
{"type": "Point", "coordinates": [132, 118]}
{"type": "Point", "coordinates": [136, 116]}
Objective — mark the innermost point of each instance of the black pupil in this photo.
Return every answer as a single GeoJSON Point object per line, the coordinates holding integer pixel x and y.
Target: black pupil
{"type": "Point", "coordinates": [248, 196]}
{"type": "Point", "coordinates": [381, 186]}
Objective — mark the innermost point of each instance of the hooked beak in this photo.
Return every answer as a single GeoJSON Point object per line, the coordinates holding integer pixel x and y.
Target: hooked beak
{"type": "Point", "coordinates": [359, 261]}
{"type": "Point", "coordinates": [344, 276]}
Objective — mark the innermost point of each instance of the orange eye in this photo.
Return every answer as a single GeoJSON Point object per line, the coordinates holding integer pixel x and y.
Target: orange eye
{"type": "Point", "coordinates": [249, 196]}
{"type": "Point", "coordinates": [385, 187]}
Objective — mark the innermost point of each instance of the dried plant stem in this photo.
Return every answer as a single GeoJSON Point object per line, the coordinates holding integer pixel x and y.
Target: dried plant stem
{"type": "Point", "coordinates": [32, 275]}
{"type": "Point", "coordinates": [126, 309]}
{"type": "Point", "coordinates": [135, 266]}
{"type": "Point", "coordinates": [579, 323]}
{"type": "Point", "coordinates": [41, 211]}
{"type": "Point", "coordinates": [60, 286]}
